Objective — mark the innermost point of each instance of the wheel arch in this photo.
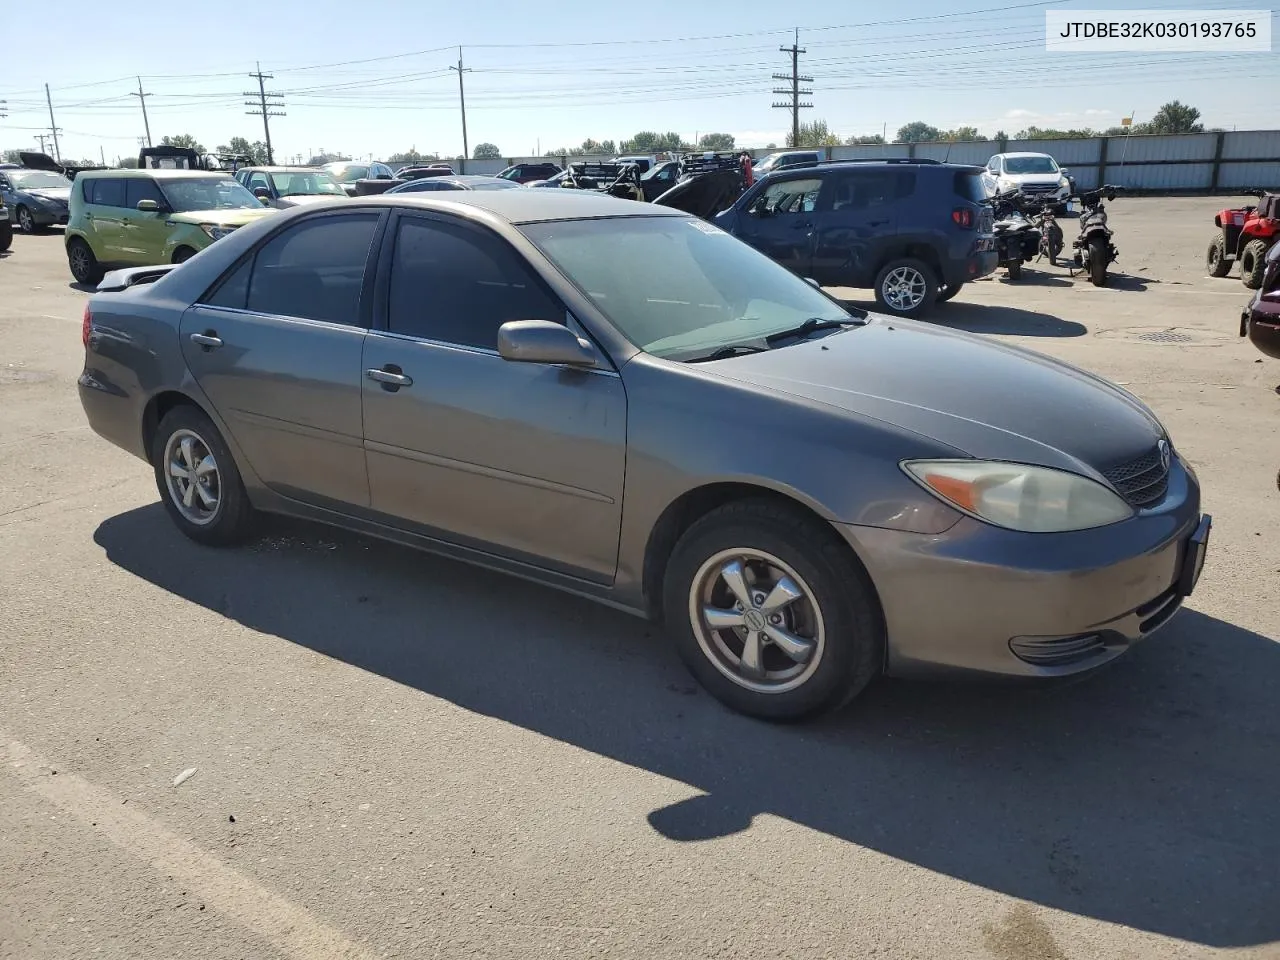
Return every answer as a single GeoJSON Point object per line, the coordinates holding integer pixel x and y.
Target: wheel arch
{"type": "Point", "coordinates": [920, 250]}
{"type": "Point", "coordinates": [158, 407]}
{"type": "Point", "coordinates": [694, 504]}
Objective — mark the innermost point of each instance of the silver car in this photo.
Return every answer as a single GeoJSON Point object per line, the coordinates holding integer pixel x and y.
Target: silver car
{"type": "Point", "coordinates": [624, 401]}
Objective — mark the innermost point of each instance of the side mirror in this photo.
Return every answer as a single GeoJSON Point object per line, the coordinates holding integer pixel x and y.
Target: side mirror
{"type": "Point", "coordinates": [265, 201]}
{"type": "Point", "coordinates": [542, 341]}
{"type": "Point", "coordinates": [262, 193]}
{"type": "Point", "coordinates": [1064, 171]}
{"type": "Point", "coordinates": [148, 206]}
{"type": "Point", "coordinates": [813, 282]}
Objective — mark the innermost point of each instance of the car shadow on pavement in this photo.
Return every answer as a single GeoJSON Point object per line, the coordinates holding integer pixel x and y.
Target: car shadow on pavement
{"type": "Point", "coordinates": [83, 287]}
{"type": "Point", "coordinates": [1145, 796]}
{"type": "Point", "coordinates": [989, 318]}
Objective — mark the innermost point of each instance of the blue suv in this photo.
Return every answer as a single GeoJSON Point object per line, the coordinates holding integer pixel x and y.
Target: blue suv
{"type": "Point", "coordinates": [914, 231]}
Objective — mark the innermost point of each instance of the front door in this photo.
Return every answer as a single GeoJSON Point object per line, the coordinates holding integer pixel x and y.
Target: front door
{"type": "Point", "coordinates": [779, 221]}
{"type": "Point", "coordinates": [521, 460]}
{"type": "Point", "coordinates": [276, 347]}
{"type": "Point", "coordinates": [143, 233]}
{"type": "Point", "coordinates": [856, 216]}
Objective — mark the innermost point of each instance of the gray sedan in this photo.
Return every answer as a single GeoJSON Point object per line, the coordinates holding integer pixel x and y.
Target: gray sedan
{"type": "Point", "coordinates": [807, 497]}
{"type": "Point", "coordinates": [37, 198]}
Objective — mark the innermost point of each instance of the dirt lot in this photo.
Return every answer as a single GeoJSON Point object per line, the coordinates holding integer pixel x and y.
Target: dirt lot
{"type": "Point", "coordinates": [398, 756]}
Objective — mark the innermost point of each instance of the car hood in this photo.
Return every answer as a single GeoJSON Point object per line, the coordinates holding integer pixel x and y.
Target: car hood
{"type": "Point", "coordinates": [986, 399]}
{"type": "Point", "coordinates": [224, 218]}
{"type": "Point", "coordinates": [305, 198]}
{"type": "Point", "coordinates": [50, 193]}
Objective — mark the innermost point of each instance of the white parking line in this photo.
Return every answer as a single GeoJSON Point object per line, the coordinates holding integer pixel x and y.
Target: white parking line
{"type": "Point", "coordinates": [287, 926]}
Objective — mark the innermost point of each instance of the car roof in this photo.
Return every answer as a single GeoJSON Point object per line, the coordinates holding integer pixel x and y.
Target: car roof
{"type": "Point", "coordinates": [291, 169]}
{"type": "Point", "coordinates": [529, 206]}
{"type": "Point", "coordinates": [1025, 153]}
{"type": "Point", "coordinates": [163, 174]}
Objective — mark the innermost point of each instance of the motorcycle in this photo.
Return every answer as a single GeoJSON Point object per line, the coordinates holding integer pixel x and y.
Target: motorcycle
{"type": "Point", "coordinates": [1017, 237]}
{"type": "Point", "coordinates": [1094, 249]}
{"type": "Point", "coordinates": [1051, 238]}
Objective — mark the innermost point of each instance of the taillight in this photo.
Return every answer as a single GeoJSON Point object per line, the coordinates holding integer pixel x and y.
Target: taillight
{"type": "Point", "coordinates": [962, 217]}
{"type": "Point", "coordinates": [86, 325]}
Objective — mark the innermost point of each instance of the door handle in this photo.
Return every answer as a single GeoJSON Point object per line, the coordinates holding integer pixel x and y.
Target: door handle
{"type": "Point", "coordinates": [210, 341]}
{"type": "Point", "coordinates": [390, 377]}
{"type": "Point", "coordinates": [802, 226]}
{"type": "Point", "coordinates": [876, 223]}
{"type": "Point", "coordinates": [88, 215]}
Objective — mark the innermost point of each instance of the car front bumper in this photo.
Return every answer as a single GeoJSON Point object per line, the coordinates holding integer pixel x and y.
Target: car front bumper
{"type": "Point", "coordinates": [45, 216]}
{"type": "Point", "coordinates": [982, 601]}
{"type": "Point", "coordinates": [1260, 322]}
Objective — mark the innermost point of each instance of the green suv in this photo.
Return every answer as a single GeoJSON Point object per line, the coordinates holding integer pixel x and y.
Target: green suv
{"type": "Point", "coordinates": [140, 218]}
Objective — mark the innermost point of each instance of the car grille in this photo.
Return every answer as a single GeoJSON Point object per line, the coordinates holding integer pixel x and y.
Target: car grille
{"type": "Point", "coordinates": [1057, 651]}
{"type": "Point", "coordinates": [1143, 482]}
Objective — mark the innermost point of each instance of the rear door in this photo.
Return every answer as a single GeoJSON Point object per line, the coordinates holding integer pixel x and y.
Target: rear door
{"type": "Point", "coordinates": [856, 217]}
{"type": "Point", "coordinates": [277, 347]}
{"type": "Point", "coordinates": [105, 206]}
{"type": "Point", "coordinates": [143, 234]}
{"type": "Point", "coordinates": [779, 220]}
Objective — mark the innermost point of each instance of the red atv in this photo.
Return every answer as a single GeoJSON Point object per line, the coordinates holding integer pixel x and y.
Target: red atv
{"type": "Point", "coordinates": [1245, 234]}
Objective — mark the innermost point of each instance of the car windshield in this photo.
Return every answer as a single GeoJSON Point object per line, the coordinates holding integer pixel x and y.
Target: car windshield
{"type": "Point", "coordinates": [36, 179]}
{"type": "Point", "coordinates": [346, 172]}
{"type": "Point", "coordinates": [1030, 165]}
{"type": "Point", "coordinates": [701, 288]}
{"type": "Point", "coordinates": [306, 183]}
{"type": "Point", "coordinates": [208, 193]}
{"type": "Point", "coordinates": [492, 184]}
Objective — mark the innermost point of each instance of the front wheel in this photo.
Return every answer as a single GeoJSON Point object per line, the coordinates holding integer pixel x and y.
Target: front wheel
{"type": "Point", "coordinates": [1215, 260]}
{"type": "Point", "coordinates": [6, 235]}
{"type": "Point", "coordinates": [1015, 269]}
{"type": "Point", "coordinates": [26, 222]}
{"type": "Point", "coordinates": [771, 612]}
{"type": "Point", "coordinates": [1098, 262]}
{"type": "Point", "coordinates": [1253, 261]}
{"type": "Point", "coordinates": [198, 479]}
{"type": "Point", "coordinates": [906, 287]}
{"type": "Point", "coordinates": [183, 254]}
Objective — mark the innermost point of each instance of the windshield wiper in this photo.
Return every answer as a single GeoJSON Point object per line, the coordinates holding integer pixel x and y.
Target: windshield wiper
{"type": "Point", "coordinates": [725, 352]}
{"type": "Point", "coordinates": [811, 325]}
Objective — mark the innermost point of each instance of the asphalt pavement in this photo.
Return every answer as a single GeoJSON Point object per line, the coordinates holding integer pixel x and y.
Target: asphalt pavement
{"type": "Point", "coordinates": [400, 756]}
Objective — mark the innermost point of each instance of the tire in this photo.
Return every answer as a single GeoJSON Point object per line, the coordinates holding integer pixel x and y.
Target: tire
{"type": "Point", "coordinates": [183, 254]}
{"type": "Point", "coordinates": [908, 283]}
{"type": "Point", "coordinates": [836, 611]}
{"type": "Point", "coordinates": [948, 292]}
{"type": "Point", "coordinates": [84, 265]}
{"type": "Point", "coordinates": [6, 235]}
{"type": "Point", "coordinates": [1098, 263]}
{"type": "Point", "coordinates": [230, 519]}
{"type": "Point", "coordinates": [1253, 261]}
{"type": "Point", "coordinates": [1215, 261]}
{"type": "Point", "coordinates": [1015, 270]}
{"type": "Point", "coordinates": [26, 222]}
{"type": "Point", "coordinates": [1052, 244]}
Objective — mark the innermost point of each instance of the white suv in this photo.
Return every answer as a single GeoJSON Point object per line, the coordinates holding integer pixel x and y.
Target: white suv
{"type": "Point", "coordinates": [1035, 175]}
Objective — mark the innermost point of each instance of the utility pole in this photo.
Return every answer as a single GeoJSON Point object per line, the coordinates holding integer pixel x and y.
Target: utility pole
{"type": "Point", "coordinates": [795, 106]}
{"type": "Point", "coordinates": [53, 127]}
{"type": "Point", "coordinates": [462, 101]}
{"type": "Point", "coordinates": [42, 137]}
{"type": "Point", "coordinates": [265, 108]}
{"type": "Point", "coordinates": [102, 152]}
{"type": "Point", "coordinates": [142, 99]}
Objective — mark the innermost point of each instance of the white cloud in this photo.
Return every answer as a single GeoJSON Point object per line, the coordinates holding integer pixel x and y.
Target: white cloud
{"type": "Point", "coordinates": [1019, 114]}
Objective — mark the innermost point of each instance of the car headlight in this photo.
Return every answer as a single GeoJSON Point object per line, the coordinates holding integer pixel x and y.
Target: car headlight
{"type": "Point", "coordinates": [215, 231]}
{"type": "Point", "coordinates": [1020, 497]}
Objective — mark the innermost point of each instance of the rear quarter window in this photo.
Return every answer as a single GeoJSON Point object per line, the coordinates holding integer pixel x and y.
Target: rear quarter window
{"type": "Point", "coordinates": [968, 184]}
{"type": "Point", "coordinates": [107, 192]}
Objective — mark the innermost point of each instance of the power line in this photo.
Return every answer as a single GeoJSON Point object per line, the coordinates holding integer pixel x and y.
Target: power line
{"type": "Point", "coordinates": [795, 92]}
{"type": "Point", "coordinates": [265, 108]}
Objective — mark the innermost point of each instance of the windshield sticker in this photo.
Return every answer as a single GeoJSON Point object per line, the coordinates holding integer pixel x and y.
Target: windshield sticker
{"type": "Point", "coordinates": [709, 229]}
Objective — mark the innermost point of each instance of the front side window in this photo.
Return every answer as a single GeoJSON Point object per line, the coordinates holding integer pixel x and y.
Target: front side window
{"type": "Point", "coordinates": [458, 285]}
{"type": "Point", "coordinates": [190, 194]}
{"type": "Point", "coordinates": [788, 196]}
{"type": "Point", "coordinates": [314, 269]}
{"type": "Point", "coordinates": [142, 188]}
{"type": "Point", "coordinates": [701, 288]}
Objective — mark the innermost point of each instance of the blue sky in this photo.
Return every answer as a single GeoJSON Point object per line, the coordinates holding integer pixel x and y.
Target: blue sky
{"type": "Point", "coordinates": [375, 78]}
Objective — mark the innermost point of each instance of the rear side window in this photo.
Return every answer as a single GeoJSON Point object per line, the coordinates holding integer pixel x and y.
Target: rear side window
{"type": "Point", "coordinates": [867, 189]}
{"type": "Point", "coordinates": [139, 189]}
{"type": "Point", "coordinates": [106, 192]}
{"type": "Point", "coordinates": [314, 270]}
{"type": "Point", "coordinates": [968, 184]}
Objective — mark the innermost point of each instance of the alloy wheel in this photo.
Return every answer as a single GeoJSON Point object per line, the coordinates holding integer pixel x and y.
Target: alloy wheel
{"type": "Point", "coordinates": [756, 620]}
{"type": "Point", "coordinates": [26, 222]}
{"type": "Point", "coordinates": [904, 288]}
{"type": "Point", "coordinates": [192, 477]}
{"type": "Point", "coordinates": [79, 262]}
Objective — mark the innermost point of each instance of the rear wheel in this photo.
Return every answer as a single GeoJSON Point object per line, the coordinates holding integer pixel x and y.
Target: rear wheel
{"type": "Point", "coordinates": [771, 612]}
{"type": "Point", "coordinates": [906, 287]}
{"type": "Point", "coordinates": [183, 254]}
{"type": "Point", "coordinates": [947, 292]}
{"type": "Point", "coordinates": [1098, 262]}
{"type": "Point", "coordinates": [1253, 260]}
{"type": "Point", "coordinates": [198, 480]}
{"type": "Point", "coordinates": [1215, 260]}
{"type": "Point", "coordinates": [84, 265]}
{"type": "Point", "coordinates": [6, 235]}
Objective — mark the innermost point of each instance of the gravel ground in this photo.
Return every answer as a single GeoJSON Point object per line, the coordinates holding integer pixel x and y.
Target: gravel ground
{"type": "Point", "coordinates": [398, 756]}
